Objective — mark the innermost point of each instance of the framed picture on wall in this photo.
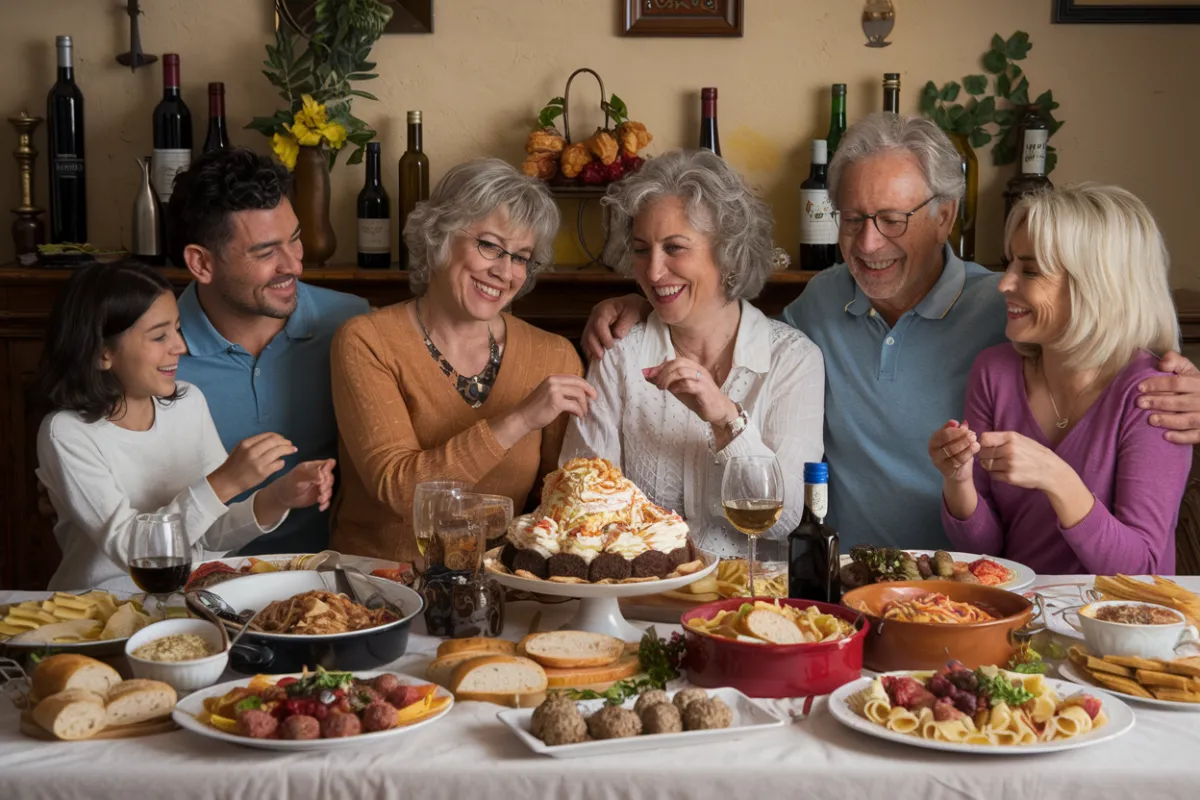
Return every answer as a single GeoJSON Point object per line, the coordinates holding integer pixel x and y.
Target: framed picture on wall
{"type": "Point", "coordinates": [682, 18]}
{"type": "Point", "coordinates": [1127, 11]}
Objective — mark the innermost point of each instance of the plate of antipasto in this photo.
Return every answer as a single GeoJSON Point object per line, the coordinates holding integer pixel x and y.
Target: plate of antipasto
{"type": "Point", "coordinates": [869, 564]}
{"type": "Point", "coordinates": [986, 711]}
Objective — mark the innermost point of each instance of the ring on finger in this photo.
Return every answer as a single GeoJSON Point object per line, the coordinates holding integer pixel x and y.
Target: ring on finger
{"type": "Point", "coordinates": [697, 374]}
{"type": "Point", "coordinates": [946, 454]}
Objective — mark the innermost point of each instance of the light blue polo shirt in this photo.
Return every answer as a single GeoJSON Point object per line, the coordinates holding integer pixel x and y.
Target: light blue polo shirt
{"type": "Point", "coordinates": [888, 389]}
{"type": "Point", "coordinates": [285, 390]}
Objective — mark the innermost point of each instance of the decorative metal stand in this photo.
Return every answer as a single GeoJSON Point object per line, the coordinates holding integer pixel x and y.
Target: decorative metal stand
{"type": "Point", "coordinates": [135, 57]}
{"type": "Point", "coordinates": [28, 230]}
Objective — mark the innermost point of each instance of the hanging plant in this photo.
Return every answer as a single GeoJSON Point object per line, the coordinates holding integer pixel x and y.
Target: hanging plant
{"type": "Point", "coordinates": [993, 117]}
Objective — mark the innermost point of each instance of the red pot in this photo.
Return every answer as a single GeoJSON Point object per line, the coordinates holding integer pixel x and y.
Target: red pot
{"type": "Point", "coordinates": [759, 669]}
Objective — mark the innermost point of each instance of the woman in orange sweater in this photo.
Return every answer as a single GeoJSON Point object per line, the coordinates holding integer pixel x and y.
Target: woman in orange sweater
{"type": "Point", "coordinates": [447, 386]}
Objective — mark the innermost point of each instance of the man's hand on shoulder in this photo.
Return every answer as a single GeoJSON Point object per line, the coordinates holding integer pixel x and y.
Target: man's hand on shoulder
{"type": "Point", "coordinates": [1174, 398]}
{"type": "Point", "coordinates": [611, 320]}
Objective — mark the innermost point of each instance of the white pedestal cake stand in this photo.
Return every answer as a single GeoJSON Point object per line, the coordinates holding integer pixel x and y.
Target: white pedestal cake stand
{"type": "Point", "coordinates": [599, 611]}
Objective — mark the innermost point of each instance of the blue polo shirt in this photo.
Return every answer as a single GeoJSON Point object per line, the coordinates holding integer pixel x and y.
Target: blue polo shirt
{"type": "Point", "coordinates": [284, 390]}
{"type": "Point", "coordinates": [887, 389]}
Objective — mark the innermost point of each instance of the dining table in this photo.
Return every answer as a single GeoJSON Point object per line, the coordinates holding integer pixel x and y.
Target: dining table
{"type": "Point", "coordinates": [468, 753]}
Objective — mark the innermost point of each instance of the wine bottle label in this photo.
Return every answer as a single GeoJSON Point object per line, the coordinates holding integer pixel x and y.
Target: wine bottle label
{"type": "Point", "coordinates": [816, 218]}
{"type": "Point", "coordinates": [1033, 155]}
{"type": "Point", "coordinates": [67, 166]}
{"type": "Point", "coordinates": [374, 235]}
{"type": "Point", "coordinates": [163, 168]}
{"type": "Point", "coordinates": [816, 497]}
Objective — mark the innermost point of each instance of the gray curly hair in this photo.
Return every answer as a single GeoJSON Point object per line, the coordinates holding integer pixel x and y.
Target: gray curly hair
{"type": "Point", "coordinates": [882, 132]}
{"type": "Point", "coordinates": [718, 202]}
{"type": "Point", "coordinates": [467, 193]}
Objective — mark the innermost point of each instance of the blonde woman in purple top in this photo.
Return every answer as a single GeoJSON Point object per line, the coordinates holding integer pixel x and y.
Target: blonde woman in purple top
{"type": "Point", "coordinates": [1054, 464]}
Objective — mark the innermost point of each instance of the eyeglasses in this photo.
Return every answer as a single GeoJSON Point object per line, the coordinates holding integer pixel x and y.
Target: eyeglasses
{"type": "Point", "coordinates": [494, 252]}
{"type": "Point", "coordinates": [891, 224]}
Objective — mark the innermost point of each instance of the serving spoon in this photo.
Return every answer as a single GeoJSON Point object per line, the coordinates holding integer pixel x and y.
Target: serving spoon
{"type": "Point", "coordinates": [213, 603]}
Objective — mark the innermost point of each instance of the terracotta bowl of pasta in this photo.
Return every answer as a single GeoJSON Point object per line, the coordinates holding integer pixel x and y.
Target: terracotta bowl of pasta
{"type": "Point", "coordinates": [924, 624]}
{"type": "Point", "coordinates": [773, 647]}
{"type": "Point", "coordinates": [304, 622]}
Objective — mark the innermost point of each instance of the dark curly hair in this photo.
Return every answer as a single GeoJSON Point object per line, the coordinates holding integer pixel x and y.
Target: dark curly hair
{"type": "Point", "coordinates": [99, 303]}
{"type": "Point", "coordinates": [216, 185]}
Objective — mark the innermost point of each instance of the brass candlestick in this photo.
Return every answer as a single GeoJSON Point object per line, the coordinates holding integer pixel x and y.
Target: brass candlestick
{"type": "Point", "coordinates": [28, 229]}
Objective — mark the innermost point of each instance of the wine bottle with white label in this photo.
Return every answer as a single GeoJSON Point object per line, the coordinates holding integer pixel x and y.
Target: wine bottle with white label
{"type": "Point", "coordinates": [1031, 159]}
{"type": "Point", "coordinates": [172, 131]}
{"type": "Point", "coordinates": [374, 217]}
{"type": "Point", "coordinates": [818, 231]}
{"type": "Point", "coordinates": [813, 568]}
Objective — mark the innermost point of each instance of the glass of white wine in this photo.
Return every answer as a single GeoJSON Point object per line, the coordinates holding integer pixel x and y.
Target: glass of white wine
{"type": "Point", "coordinates": [430, 500]}
{"type": "Point", "coordinates": [752, 497]}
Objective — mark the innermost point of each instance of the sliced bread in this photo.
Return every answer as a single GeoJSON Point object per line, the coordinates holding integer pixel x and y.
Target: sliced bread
{"type": "Point", "coordinates": [139, 700]}
{"type": "Point", "coordinates": [477, 643]}
{"type": "Point", "coordinates": [500, 679]}
{"type": "Point", "coordinates": [771, 627]}
{"type": "Point", "coordinates": [569, 649]}
{"type": "Point", "coordinates": [441, 669]}
{"type": "Point", "coordinates": [596, 678]}
{"type": "Point", "coordinates": [72, 671]}
{"type": "Point", "coordinates": [71, 714]}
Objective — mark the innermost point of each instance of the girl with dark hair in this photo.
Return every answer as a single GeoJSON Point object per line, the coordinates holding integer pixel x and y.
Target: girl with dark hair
{"type": "Point", "coordinates": [123, 437]}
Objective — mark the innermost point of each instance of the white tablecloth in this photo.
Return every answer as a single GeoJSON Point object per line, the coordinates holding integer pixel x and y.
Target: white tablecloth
{"type": "Point", "coordinates": [469, 754]}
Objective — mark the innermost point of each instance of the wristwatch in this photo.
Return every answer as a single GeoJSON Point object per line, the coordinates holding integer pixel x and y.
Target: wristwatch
{"type": "Point", "coordinates": [738, 423]}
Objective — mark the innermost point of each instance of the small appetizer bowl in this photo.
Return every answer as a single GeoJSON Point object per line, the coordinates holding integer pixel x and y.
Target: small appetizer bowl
{"type": "Point", "coordinates": [1142, 640]}
{"type": "Point", "coordinates": [760, 669]}
{"type": "Point", "coordinates": [184, 676]}
{"type": "Point", "coordinates": [896, 645]}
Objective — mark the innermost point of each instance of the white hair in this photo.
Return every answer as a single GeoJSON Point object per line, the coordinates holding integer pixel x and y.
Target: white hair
{"type": "Point", "coordinates": [1105, 240]}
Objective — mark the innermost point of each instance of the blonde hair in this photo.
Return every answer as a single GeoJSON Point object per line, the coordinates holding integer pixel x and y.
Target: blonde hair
{"type": "Point", "coordinates": [1106, 242]}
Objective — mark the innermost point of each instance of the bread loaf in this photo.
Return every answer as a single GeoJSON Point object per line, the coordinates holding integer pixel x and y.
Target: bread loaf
{"type": "Point", "coordinates": [72, 671]}
{"type": "Point", "coordinates": [72, 714]}
{"type": "Point", "coordinates": [593, 677]}
{"type": "Point", "coordinates": [571, 649]}
{"type": "Point", "coordinates": [441, 669]}
{"type": "Point", "coordinates": [504, 680]}
{"type": "Point", "coordinates": [477, 644]}
{"type": "Point", "coordinates": [139, 700]}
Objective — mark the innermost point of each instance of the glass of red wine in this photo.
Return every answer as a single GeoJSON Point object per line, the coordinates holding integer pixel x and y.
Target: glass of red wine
{"type": "Point", "coordinates": [160, 557]}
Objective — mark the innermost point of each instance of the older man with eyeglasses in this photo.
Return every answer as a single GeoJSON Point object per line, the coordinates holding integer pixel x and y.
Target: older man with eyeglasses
{"type": "Point", "coordinates": [899, 324]}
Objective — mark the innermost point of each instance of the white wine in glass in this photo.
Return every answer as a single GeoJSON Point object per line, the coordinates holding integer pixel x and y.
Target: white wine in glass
{"type": "Point", "coordinates": [752, 497]}
{"type": "Point", "coordinates": [429, 503]}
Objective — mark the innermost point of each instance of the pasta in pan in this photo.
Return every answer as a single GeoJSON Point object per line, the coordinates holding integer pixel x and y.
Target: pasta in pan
{"type": "Point", "coordinates": [986, 706]}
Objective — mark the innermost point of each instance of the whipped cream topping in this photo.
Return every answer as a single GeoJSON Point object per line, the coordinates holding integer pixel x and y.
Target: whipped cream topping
{"type": "Point", "coordinates": [586, 546]}
{"type": "Point", "coordinates": [627, 544]}
{"type": "Point", "coordinates": [527, 532]}
{"type": "Point", "coordinates": [666, 536]}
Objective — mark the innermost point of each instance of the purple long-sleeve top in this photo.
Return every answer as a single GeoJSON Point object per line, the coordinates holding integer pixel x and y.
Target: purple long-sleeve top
{"type": "Point", "coordinates": [1136, 475]}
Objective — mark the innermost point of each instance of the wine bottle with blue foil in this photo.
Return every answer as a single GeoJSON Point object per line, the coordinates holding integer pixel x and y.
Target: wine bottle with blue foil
{"type": "Point", "coordinates": [64, 134]}
{"type": "Point", "coordinates": [813, 570]}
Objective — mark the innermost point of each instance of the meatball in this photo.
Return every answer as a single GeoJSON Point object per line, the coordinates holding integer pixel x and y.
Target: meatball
{"type": "Point", "coordinates": [562, 725]}
{"type": "Point", "coordinates": [257, 724]}
{"type": "Point", "coordinates": [702, 715]}
{"type": "Point", "coordinates": [385, 683]}
{"type": "Point", "coordinates": [363, 695]}
{"type": "Point", "coordinates": [335, 726]}
{"type": "Point", "coordinates": [662, 718]}
{"type": "Point", "coordinates": [379, 716]}
{"type": "Point", "coordinates": [650, 698]}
{"type": "Point", "coordinates": [554, 704]}
{"type": "Point", "coordinates": [686, 696]}
{"type": "Point", "coordinates": [614, 722]}
{"type": "Point", "coordinates": [300, 726]}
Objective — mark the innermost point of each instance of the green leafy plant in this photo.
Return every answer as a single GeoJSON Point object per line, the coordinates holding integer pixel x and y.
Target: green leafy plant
{"type": "Point", "coordinates": [324, 62]}
{"type": "Point", "coordinates": [615, 106]}
{"type": "Point", "coordinates": [993, 117]}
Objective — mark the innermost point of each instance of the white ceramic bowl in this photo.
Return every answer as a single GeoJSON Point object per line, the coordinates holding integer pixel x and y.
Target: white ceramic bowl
{"type": "Point", "coordinates": [1105, 638]}
{"type": "Point", "coordinates": [185, 676]}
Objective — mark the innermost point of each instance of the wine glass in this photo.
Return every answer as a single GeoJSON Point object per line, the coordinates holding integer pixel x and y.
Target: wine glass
{"type": "Point", "coordinates": [429, 500]}
{"type": "Point", "coordinates": [160, 556]}
{"type": "Point", "coordinates": [752, 497]}
{"type": "Point", "coordinates": [497, 514]}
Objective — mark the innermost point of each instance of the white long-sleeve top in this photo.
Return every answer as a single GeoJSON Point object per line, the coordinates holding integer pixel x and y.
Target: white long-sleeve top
{"type": "Point", "coordinates": [778, 376]}
{"type": "Point", "coordinates": [100, 477]}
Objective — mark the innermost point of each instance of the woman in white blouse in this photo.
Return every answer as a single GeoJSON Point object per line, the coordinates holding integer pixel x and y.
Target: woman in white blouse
{"type": "Point", "coordinates": [707, 377]}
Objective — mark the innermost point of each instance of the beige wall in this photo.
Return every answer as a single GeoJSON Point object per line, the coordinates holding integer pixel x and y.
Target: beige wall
{"type": "Point", "coordinates": [1128, 93]}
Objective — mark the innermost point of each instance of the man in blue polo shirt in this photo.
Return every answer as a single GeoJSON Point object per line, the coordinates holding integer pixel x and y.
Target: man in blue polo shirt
{"type": "Point", "coordinates": [258, 339]}
{"type": "Point", "coordinates": [899, 325]}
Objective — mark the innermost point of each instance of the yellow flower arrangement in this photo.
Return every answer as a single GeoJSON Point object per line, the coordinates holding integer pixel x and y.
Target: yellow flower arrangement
{"type": "Point", "coordinates": [310, 127]}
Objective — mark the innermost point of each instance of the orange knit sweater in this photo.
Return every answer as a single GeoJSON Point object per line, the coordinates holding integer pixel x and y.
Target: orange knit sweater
{"type": "Point", "coordinates": [402, 422]}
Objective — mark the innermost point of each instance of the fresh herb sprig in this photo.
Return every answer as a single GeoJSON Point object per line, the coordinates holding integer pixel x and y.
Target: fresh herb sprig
{"type": "Point", "coordinates": [1001, 690]}
{"type": "Point", "coordinates": [660, 660]}
{"type": "Point", "coordinates": [316, 681]}
{"type": "Point", "coordinates": [1027, 661]}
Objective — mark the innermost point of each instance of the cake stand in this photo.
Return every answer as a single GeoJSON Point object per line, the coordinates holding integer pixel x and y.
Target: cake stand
{"type": "Point", "coordinates": [599, 611]}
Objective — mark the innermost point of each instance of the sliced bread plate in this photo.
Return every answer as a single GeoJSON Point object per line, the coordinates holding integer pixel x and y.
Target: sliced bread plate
{"type": "Point", "coordinates": [748, 717]}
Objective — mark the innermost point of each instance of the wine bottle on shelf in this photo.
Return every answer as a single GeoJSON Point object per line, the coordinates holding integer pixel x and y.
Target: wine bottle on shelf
{"type": "Point", "coordinates": [837, 119]}
{"type": "Point", "coordinates": [813, 568]}
{"type": "Point", "coordinates": [64, 134]}
{"type": "Point", "coordinates": [414, 179]}
{"type": "Point", "coordinates": [818, 231]}
{"type": "Point", "coordinates": [709, 138]}
{"type": "Point", "coordinates": [172, 131]}
{"type": "Point", "coordinates": [374, 217]}
{"type": "Point", "coordinates": [1031, 159]}
{"type": "Point", "coordinates": [891, 92]}
{"type": "Point", "coordinates": [218, 135]}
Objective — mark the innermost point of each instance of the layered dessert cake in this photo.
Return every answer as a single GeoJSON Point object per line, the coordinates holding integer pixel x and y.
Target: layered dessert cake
{"type": "Point", "coordinates": [594, 525]}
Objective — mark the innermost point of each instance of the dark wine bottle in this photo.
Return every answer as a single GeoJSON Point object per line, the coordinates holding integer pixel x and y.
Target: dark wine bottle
{"type": "Point", "coordinates": [818, 231]}
{"type": "Point", "coordinates": [414, 178]}
{"type": "Point", "coordinates": [374, 217]}
{"type": "Point", "coordinates": [837, 119]}
{"type": "Point", "coordinates": [1031, 159]}
{"type": "Point", "coordinates": [891, 92]}
{"type": "Point", "coordinates": [813, 568]}
{"type": "Point", "coordinates": [218, 135]}
{"type": "Point", "coordinates": [172, 131]}
{"type": "Point", "coordinates": [709, 138]}
{"type": "Point", "coordinates": [68, 185]}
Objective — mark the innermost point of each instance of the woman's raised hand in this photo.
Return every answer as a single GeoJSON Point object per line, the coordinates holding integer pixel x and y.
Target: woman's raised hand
{"type": "Point", "coordinates": [556, 395]}
{"type": "Point", "coordinates": [695, 388]}
{"type": "Point", "coordinates": [952, 450]}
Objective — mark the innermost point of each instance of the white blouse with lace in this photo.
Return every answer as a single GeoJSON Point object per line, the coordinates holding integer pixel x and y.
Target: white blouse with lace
{"type": "Point", "coordinates": [778, 376]}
